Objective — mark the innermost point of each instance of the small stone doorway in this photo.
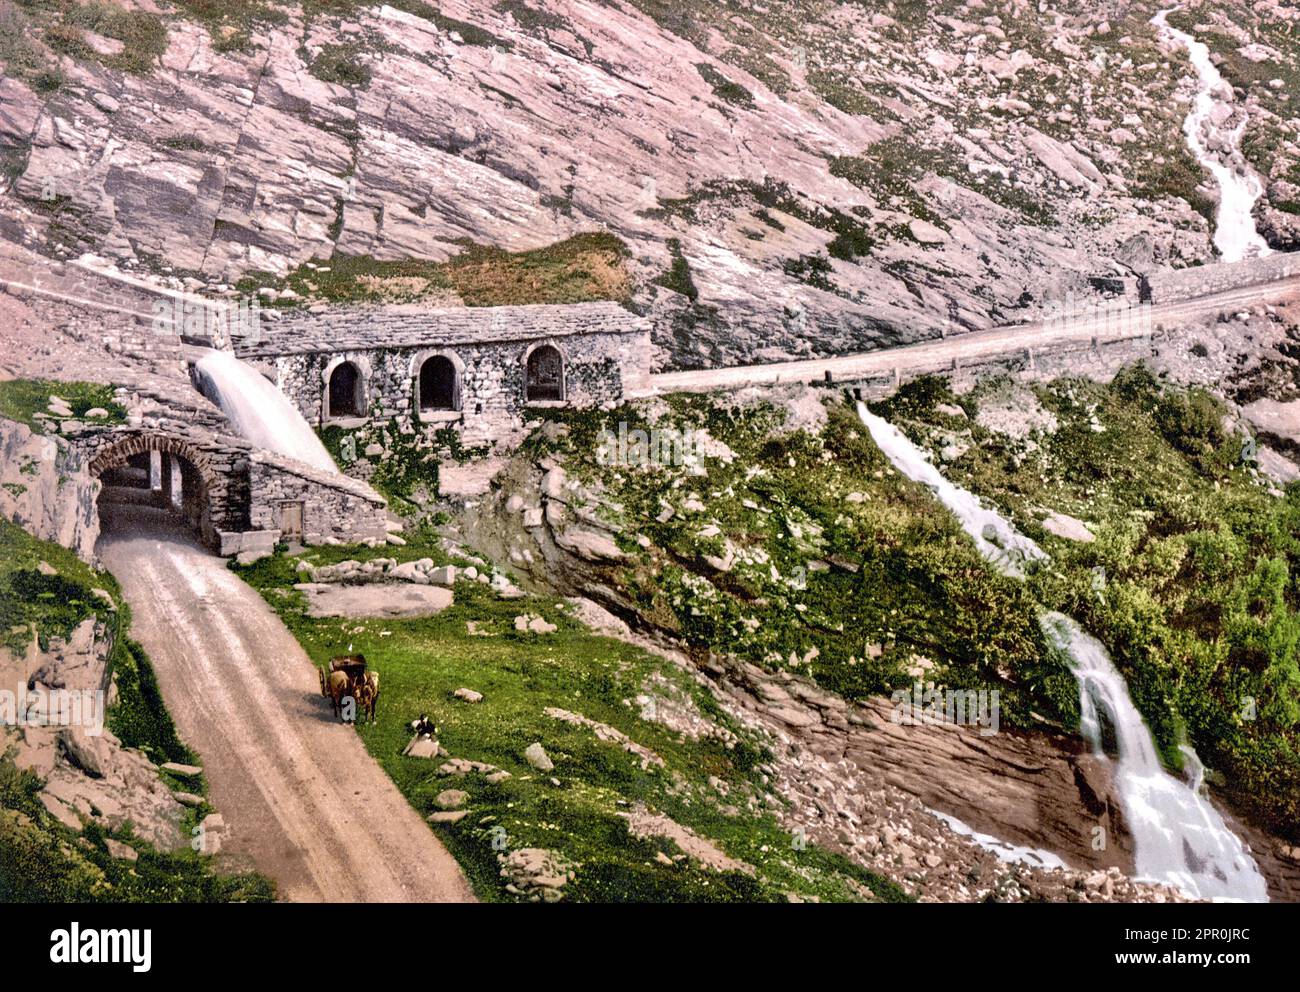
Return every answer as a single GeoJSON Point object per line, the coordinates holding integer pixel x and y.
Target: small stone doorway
{"type": "Point", "coordinates": [291, 513]}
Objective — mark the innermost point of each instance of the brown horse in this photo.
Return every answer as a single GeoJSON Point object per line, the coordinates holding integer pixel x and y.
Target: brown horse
{"type": "Point", "coordinates": [367, 693]}
{"type": "Point", "coordinates": [337, 687]}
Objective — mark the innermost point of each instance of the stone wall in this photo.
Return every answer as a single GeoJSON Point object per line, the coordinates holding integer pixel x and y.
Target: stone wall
{"type": "Point", "coordinates": [214, 470]}
{"type": "Point", "coordinates": [233, 493]}
{"type": "Point", "coordinates": [1099, 360]}
{"type": "Point", "coordinates": [116, 312]}
{"type": "Point", "coordinates": [606, 351]}
{"type": "Point", "coordinates": [332, 508]}
{"type": "Point", "coordinates": [1184, 284]}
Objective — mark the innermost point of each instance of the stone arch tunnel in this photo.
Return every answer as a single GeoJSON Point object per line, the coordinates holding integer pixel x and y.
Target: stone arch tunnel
{"type": "Point", "coordinates": [201, 480]}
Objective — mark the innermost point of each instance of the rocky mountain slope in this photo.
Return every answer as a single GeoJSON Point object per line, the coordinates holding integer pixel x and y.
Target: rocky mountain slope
{"type": "Point", "coordinates": [788, 178]}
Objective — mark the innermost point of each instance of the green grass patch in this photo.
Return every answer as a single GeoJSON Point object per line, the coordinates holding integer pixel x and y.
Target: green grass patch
{"type": "Point", "coordinates": [22, 399]}
{"type": "Point", "coordinates": [233, 23]}
{"type": "Point", "coordinates": [581, 269]}
{"type": "Point", "coordinates": [678, 276]}
{"type": "Point", "coordinates": [53, 604]}
{"type": "Point", "coordinates": [723, 88]}
{"type": "Point", "coordinates": [341, 64]}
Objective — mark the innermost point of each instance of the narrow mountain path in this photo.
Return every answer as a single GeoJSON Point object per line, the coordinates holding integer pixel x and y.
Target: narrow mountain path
{"type": "Point", "coordinates": [937, 354]}
{"type": "Point", "coordinates": [303, 801]}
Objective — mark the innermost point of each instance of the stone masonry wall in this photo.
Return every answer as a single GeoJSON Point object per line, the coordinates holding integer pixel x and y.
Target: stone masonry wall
{"type": "Point", "coordinates": [345, 510]}
{"type": "Point", "coordinates": [491, 380]}
{"type": "Point", "coordinates": [1183, 284]}
{"type": "Point", "coordinates": [239, 490]}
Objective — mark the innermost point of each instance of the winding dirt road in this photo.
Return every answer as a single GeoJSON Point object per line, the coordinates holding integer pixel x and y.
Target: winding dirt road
{"type": "Point", "coordinates": [303, 801]}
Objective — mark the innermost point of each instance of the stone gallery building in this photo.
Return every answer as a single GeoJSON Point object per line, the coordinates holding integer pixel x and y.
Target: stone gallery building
{"type": "Point", "coordinates": [476, 369]}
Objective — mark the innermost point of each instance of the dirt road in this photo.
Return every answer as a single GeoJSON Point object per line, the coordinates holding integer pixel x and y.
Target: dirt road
{"type": "Point", "coordinates": [933, 355]}
{"type": "Point", "coordinates": [303, 800]}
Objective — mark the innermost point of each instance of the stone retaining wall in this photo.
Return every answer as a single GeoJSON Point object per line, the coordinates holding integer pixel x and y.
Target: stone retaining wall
{"type": "Point", "coordinates": [1098, 360]}
{"type": "Point", "coordinates": [1185, 284]}
{"type": "Point", "coordinates": [118, 313]}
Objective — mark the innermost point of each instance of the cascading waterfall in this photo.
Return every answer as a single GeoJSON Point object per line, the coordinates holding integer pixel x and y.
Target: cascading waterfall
{"type": "Point", "coordinates": [1180, 839]}
{"type": "Point", "coordinates": [1239, 187]}
{"type": "Point", "coordinates": [258, 411]}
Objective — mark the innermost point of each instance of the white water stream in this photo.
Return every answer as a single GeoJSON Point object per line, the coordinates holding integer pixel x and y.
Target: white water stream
{"type": "Point", "coordinates": [1180, 839]}
{"type": "Point", "coordinates": [258, 411]}
{"type": "Point", "coordinates": [1012, 854]}
{"type": "Point", "coordinates": [1239, 187]}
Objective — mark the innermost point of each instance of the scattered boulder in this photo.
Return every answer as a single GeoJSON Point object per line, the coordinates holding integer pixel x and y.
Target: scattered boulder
{"type": "Point", "coordinates": [536, 756]}
{"type": "Point", "coordinates": [422, 746]}
{"type": "Point", "coordinates": [536, 873]}
{"type": "Point", "coordinates": [605, 732]}
{"type": "Point", "coordinates": [123, 852]}
{"type": "Point", "coordinates": [468, 695]}
{"type": "Point", "coordinates": [185, 771]}
{"type": "Point", "coordinates": [448, 816]}
{"type": "Point", "coordinates": [451, 798]}
{"type": "Point", "coordinates": [534, 624]}
{"type": "Point", "coordinates": [1067, 527]}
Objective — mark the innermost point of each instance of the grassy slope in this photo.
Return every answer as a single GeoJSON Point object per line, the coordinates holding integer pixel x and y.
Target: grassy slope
{"type": "Point", "coordinates": [520, 674]}
{"type": "Point", "coordinates": [41, 860]}
{"type": "Point", "coordinates": [833, 551]}
{"type": "Point", "coordinates": [1200, 607]}
{"type": "Point", "coordinates": [581, 269]}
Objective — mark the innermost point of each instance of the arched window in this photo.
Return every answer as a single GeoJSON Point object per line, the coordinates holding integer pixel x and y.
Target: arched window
{"type": "Point", "coordinates": [544, 374]}
{"type": "Point", "coordinates": [345, 391]}
{"type": "Point", "coordinates": [439, 386]}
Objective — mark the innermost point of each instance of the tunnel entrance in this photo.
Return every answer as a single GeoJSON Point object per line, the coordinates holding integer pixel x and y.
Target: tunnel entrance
{"type": "Point", "coordinates": [159, 479]}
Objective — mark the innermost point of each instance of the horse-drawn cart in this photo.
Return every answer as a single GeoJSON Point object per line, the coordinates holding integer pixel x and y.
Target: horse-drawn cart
{"type": "Point", "coordinates": [349, 679]}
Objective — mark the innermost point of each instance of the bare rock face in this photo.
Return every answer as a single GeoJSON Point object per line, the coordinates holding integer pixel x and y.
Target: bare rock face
{"type": "Point", "coordinates": [789, 181]}
{"type": "Point", "coordinates": [88, 775]}
{"type": "Point", "coordinates": [44, 492]}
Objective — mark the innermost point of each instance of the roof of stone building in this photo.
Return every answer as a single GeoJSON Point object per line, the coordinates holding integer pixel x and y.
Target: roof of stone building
{"type": "Point", "coordinates": [357, 328]}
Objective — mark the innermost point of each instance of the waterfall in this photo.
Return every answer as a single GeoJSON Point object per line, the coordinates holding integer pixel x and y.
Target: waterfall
{"type": "Point", "coordinates": [995, 537]}
{"type": "Point", "coordinates": [1180, 839]}
{"type": "Point", "coordinates": [258, 411]}
{"type": "Point", "coordinates": [1239, 187]}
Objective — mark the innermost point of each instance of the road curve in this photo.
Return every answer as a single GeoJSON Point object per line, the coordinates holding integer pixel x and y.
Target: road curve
{"type": "Point", "coordinates": [303, 801]}
{"type": "Point", "coordinates": [939, 353]}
